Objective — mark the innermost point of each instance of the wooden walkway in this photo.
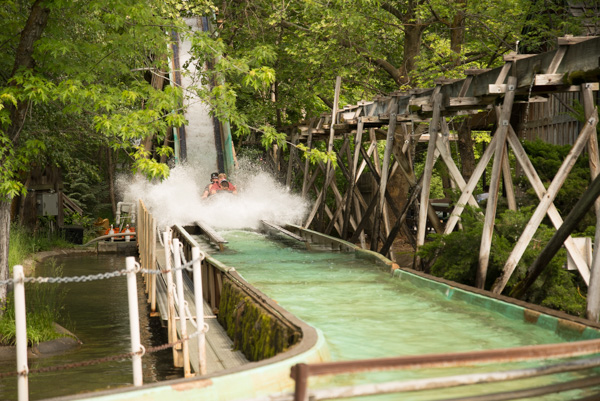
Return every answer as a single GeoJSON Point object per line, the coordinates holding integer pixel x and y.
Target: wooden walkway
{"type": "Point", "coordinates": [219, 347]}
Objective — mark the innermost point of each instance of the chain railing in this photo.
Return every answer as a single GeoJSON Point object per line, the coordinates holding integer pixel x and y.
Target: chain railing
{"type": "Point", "coordinates": [147, 238]}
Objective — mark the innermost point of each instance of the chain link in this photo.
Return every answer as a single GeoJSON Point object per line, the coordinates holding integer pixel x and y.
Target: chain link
{"type": "Point", "coordinates": [100, 276]}
{"type": "Point", "coordinates": [143, 352]}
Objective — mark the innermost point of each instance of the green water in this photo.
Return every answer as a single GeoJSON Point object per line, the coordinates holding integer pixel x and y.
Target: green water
{"type": "Point", "coordinates": [365, 313]}
{"type": "Point", "coordinates": [97, 312]}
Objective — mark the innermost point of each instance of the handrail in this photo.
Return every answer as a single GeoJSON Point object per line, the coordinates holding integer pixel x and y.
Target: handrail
{"type": "Point", "coordinates": [301, 372]}
{"type": "Point", "coordinates": [212, 234]}
{"type": "Point", "coordinates": [283, 231]}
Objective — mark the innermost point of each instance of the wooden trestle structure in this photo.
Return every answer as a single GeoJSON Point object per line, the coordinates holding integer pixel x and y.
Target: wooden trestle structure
{"type": "Point", "coordinates": [424, 113]}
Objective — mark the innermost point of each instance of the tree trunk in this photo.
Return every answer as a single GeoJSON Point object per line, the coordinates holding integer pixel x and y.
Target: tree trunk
{"type": "Point", "coordinates": [465, 149]}
{"type": "Point", "coordinates": [413, 35]}
{"type": "Point", "coordinates": [457, 30]}
{"type": "Point", "coordinates": [34, 27]}
{"type": "Point", "coordinates": [36, 23]}
{"type": "Point", "coordinates": [4, 240]}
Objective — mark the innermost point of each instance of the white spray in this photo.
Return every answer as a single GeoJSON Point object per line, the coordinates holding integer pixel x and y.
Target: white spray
{"type": "Point", "coordinates": [178, 199]}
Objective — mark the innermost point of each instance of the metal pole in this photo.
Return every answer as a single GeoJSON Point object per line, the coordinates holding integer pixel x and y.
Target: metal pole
{"type": "Point", "coordinates": [181, 304]}
{"type": "Point", "coordinates": [21, 332]}
{"type": "Point", "coordinates": [199, 300]}
{"type": "Point", "coordinates": [134, 321]}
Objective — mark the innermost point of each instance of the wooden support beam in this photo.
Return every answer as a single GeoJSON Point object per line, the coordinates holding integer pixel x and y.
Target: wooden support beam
{"type": "Point", "coordinates": [416, 190]}
{"type": "Point", "coordinates": [492, 201]}
{"type": "Point", "coordinates": [427, 173]}
{"type": "Point", "coordinates": [508, 182]}
{"type": "Point", "coordinates": [503, 74]}
{"type": "Point", "coordinates": [468, 191]}
{"type": "Point", "coordinates": [548, 79]}
{"type": "Point", "coordinates": [352, 182]}
{"type": "Point", "coordinates": [386, 167]}
{"type": "Point", "coordinates": [540, 190]}
{"type": "Point", "coordinates": [465, 86]}
{"type": "Point", "coordinates": [545, 202]}
{"type": "Point", "coordinates": [293, 151]}
{"type": "Point", "coordinates": [365, 218]}
{"type": "Point", "coordinates": [579, 210]}
{"type": "Point", "coordinates": [328, 172]}
{"type": "Point", "coordinates": [455, 173]}
{"type": "Point", "coordinates": [557, 59]}
{"type": "Point", "coordinates": [593, 297]}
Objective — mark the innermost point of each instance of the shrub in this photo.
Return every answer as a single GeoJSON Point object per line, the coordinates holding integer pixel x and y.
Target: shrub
{"type": "Point", "coordinates": [456, 257]}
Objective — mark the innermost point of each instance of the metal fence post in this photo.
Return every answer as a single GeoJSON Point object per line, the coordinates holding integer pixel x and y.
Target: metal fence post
{"type": "Point", "coordinates": [299, 373]}
{"type": "Point", "coordinates": [21, 332]}
{"type": "Point", "coordinates": [199, 300]}
{"type": "Point", "coordinates": [134, 321]}
{"type": "Point", "coordinates": [181, 302]}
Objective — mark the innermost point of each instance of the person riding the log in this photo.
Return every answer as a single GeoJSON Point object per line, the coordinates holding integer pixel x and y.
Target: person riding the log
{"type": "Point", "coordinates": [214, 184]}
{"type": "Point", "coordinates": [229, 185]}
{"type": "Point", "coordinates": [224, 186]}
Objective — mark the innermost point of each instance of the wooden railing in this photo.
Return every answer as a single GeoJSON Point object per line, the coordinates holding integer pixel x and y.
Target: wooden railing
{"type": "Point", "coordinates": [146, 239]}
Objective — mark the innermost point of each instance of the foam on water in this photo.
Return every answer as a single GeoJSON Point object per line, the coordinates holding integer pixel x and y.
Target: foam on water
{"type": "Point", "coordinates": [178, 199]}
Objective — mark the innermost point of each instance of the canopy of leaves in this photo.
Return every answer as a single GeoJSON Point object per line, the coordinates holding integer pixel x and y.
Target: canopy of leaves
{"type": "Point", "coordinates": [89, 85]}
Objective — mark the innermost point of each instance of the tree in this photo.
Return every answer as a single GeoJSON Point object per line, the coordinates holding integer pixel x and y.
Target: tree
{"type": "Point", "coordinates": [78, 72]}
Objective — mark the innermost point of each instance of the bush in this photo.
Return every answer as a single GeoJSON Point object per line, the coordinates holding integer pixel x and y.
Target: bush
{"type": "Point", "coordinates": [44, 307]}
{"type": "Point", "coordinates": [456, 257]}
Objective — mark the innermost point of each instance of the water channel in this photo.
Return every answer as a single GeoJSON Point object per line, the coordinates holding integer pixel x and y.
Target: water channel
{"type": "Point", "coordinates": [365, 313]}
{"type": "Point", "coordinates": [97, 313]}
{"type": "Point", "coordinates": [362, 311]}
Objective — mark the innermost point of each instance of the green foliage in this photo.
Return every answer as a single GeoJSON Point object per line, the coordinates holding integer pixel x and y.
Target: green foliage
{"type": "Point", "coordinates": [44, 307]}
{"type": "Point", "coordinates": [456, 258]}
{"type": "Point", "coordinates": [88, 89]}
{"type": "Point", "coordinates": [24, 243]}
{"type": "Point", "coordinates": [547, 159]}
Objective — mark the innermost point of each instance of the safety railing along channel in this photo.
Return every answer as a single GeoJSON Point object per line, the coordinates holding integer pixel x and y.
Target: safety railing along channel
{"type": "Point", "coordinates": [177, 309]}
{"type": "Point", "coordinates": [302, 372]}
{"type": "Point", "coordinates": [137, 349]}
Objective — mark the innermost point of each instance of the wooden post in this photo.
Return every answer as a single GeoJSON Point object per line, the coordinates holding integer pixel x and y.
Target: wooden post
{"type": "Point", "coordinates": [328, 172]}
{"type": "Point", "coordinates": [508, 183]}
{"type": "Point", "coordinates": [543, 206]}
{"type": "Point", "coordinates": [352, 183]}
{"type": "Point", "coordinates": [389, 143]}
{"type": "Point", "coordinates": [455, 173]}
{"type": "Point", "coordinates": [468, 191]}
{"type": "Point", "coordinates": [579, 210]}
{"type": "Point", "coordinates": [492, 202]}
{"type": "Point", "coordinates": [427, 173]}
{"type": "Point", "coordinates": [307, 165]}
{"type": "Point", "coordinates": [593, 297]}
{"type": "Point", "coordinates": [540, 190]}
{"type": "Point", "coordinates": [293, 150]}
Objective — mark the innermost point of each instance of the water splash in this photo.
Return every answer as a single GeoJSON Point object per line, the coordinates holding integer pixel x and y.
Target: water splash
{"type": "Point", "coordinates": [178, 199]}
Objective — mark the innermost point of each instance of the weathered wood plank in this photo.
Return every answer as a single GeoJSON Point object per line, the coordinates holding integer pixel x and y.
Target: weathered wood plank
{"type": "Point", "coordinates": [492, 201]}
{"type": "Point", "coordinates": [508, 183]}
{"type": "Point", "coordinates": [540, 190]}
{"type": "Point", "coordinates": [427, 173]}
{"type": "Point", "coordinates": [546, 201]}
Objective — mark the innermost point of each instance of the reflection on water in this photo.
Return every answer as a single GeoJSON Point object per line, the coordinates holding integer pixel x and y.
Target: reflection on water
{"type": "Point", "coordinates": [97, 312]}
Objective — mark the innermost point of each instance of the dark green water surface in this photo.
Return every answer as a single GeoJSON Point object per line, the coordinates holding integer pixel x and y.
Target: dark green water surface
{"type": "Point", "coordinates": [97, 312]}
